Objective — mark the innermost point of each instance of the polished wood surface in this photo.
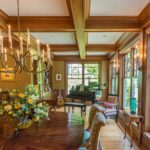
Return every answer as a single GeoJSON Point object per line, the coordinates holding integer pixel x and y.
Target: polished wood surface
{"type": "Point", "coordinates": [62, 132]}
{"type": "Point", "coordinates": [129, 120]}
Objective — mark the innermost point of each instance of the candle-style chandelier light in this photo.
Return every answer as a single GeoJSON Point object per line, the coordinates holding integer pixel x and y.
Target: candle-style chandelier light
{"type": "Point", "coordinates": [22, 57]}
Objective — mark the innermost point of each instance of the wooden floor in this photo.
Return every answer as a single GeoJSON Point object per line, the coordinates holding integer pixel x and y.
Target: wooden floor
{"type": "Point", "coordinates": [111, 135]}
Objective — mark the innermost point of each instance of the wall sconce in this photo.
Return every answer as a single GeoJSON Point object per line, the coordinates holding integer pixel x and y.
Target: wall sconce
{"type": "Point", "coordinates": [116, 65]}
{"type": "Point", "coordinates": [139, 58]}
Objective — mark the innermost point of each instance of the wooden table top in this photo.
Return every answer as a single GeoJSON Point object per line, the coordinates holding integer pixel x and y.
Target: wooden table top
{"type": "Point", "coordinates": [62, 132]}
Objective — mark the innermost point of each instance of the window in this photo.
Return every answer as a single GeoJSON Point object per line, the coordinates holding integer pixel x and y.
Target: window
{"type": "Point", "coordinates": [85, 73]}
{"type": "Point", "coordinates": [74, 75]}
{"type": "Point", "coordinates": [91, 74]}
{"type": "Point", "coordinates": [114, 79]}
{"type": "Point", "coordinates": [130, 82]}
{"type": "Point", "coordinates": [127, 81]}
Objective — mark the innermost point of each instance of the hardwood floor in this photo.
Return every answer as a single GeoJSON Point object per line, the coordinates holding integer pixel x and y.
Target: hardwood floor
{"type": "Point", "coordinates": [111, 134]}
{"type": "Point", "coordinates": [112, 138]}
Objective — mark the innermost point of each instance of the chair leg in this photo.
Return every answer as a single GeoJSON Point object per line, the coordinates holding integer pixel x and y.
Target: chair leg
{"type": "Point", "coordinates": [116, 119]}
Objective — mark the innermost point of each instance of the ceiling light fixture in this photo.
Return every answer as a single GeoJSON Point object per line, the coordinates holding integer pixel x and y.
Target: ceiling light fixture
{"type": "Point", "coordinates": [22, 56]}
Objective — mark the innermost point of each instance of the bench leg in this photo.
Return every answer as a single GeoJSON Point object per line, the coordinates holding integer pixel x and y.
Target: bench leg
{"type": "Point", "coordinates": [64, 108]}
{"type": "Point", "coordinates": [72, 109]}
{"type": "Point", "coordinates": [69, 109]}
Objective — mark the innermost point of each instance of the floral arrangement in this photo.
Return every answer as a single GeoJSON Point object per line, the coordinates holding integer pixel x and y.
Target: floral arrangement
{"type": "Point", "coordinates": [24, 109]}
{"type": "Point", "coordinates": [32, 91]}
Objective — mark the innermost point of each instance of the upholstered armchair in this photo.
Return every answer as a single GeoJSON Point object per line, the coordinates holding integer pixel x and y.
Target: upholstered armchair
{"type": "Point", "coordinates": [97, 124]}
{"type": "Point", "coordinates": [110, 107]}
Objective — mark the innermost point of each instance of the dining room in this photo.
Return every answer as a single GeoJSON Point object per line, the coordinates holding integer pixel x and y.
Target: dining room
{"type": "Point", "coordinates": [74, 75]}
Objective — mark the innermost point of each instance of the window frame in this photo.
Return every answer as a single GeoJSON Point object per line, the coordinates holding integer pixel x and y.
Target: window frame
{"type": "Point", "coordinates": [83, 79]}
{"type": "Point", "coordinates": [132, 76]}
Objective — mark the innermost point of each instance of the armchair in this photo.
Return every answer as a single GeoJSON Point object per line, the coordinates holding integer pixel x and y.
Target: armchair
{"type": "Point", "coordinates": [110, 107]}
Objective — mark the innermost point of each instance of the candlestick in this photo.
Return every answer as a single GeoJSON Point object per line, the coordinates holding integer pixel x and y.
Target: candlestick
{"type": "Point", "coordinates": [48, 52]}
{"type": "Point", "coordinates": [43, 54]}
{"type": "Point", "coordinates": [5, 56]}
{"type": "Point", "coordinates": [1, 42]}
{"type": "Point", "coordinates": [28, 37]}
{"type": "Point", "coordinates": [9, 36]}
{"type": "Point", "coordinates": [18, 55]}
{"type": "Point", "coordinates": [21, 46]}
{"type": "Point", "coordinates": [38, 47]}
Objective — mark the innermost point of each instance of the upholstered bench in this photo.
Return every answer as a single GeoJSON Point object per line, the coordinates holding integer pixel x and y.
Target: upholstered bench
{"type": "Point", "coordinates": [73, 104]}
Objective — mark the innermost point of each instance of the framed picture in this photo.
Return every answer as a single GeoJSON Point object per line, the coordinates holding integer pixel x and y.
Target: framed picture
{"type": "Point", "coordinates": [6, 76]}
{"type": "Point", "coordinates": [58, 77]}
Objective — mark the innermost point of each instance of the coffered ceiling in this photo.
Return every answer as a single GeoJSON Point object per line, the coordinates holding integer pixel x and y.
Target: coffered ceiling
{"type": "Point", "coordinates": [103, 37]}
{"type": "Point", "coordinates": [35, 7]}
{"type": "Point", "coordinates": [55, 37]}
{"type": "Point", "coordinates": [117, 7]}
{"type": "Point", "coordinates": [78, 28]}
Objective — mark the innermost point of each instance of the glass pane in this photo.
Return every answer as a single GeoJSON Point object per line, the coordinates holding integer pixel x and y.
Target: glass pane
{"type": "Point", "coordinates": [126, 93]}
{"type": "Point", "coordinates": [135, 90]}
{"type": "Point", "coordinates": [91, 70]}
{"type": "Point", "coordinates": [73, 82]}
{"type": "Point", "coordinates": [93, 83]}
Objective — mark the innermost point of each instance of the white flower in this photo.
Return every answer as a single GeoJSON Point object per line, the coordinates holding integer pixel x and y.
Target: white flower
{"type": "Point", "coordinates": [40, 105]}
{"type": "Point", "coordinates": [7, 108]}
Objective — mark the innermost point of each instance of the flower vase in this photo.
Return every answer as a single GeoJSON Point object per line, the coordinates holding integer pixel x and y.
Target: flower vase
{"type": "Point", "coordinates": [24, 125]}
{"type": "Point", "coordinates": [133, 105]}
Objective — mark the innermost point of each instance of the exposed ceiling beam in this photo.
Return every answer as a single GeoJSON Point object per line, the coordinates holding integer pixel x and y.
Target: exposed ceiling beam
{"type": "Point", "coordinates": [77, 7]}
{"type": "Point", "coordinates": [144, 16]}
{"type": "Point", "coordinates": [64, 48]}
{"type": "Point", "coordinates": [89, 48]}
{"type": "Point", "coordinates": [43, 24]}
{"type": "Point", "coordinates": [3, 20]}
{"type": "Point", "coordinates": [112, 23]}
{"type": "Point", "coordinates": [77, 58]}
{"type": "Point", "coordinates": [101, 48]}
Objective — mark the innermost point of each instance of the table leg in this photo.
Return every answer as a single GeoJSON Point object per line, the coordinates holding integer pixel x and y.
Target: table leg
{"type": "Point", "coordinates": [125, 131]}
{"type": "Point", "coordinates": [69, 109]}
{"type": "Point", "coordinates": [139, 133]}
{"type": "Point", "coordinates": [85, 109]}
{"type": "Point", "coordinates": [72, 109]}
{"type": "Point", "coordinates": [131, 133]}
{"type": "Point", "coordinates": [64, 108]}
{"type": "Point", "coordinates": [81, 110]}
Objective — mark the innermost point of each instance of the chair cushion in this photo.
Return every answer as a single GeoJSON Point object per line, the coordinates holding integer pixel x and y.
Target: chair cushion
{"type": "Point", "coordinates": [82, 148]}
{"type": "Point", "coordinates": [108, 112]}
{"type": "Point", "coordinates": [86, 136]}
{"type": "Point", "coordinates": [112, 99]}
{"type": "Point", "coordinates": [98, 107]}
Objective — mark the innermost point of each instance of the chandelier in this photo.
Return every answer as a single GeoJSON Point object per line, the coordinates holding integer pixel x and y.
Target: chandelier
{"type": "Point", "coordinates": [22, 57]}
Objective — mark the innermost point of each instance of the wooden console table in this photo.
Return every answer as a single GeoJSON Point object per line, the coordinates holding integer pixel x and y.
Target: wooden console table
{"type": "Point", "coordinates": [129, 120]}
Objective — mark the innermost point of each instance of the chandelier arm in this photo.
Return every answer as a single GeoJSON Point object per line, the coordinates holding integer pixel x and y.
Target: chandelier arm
{"type": "Point", "coordinates": [16, 67]}
{"type": "Point", "coordinates": [33, 71]}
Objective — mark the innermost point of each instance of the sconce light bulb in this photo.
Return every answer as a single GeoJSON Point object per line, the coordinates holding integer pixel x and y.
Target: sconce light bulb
{"type": "Point", "coordinates": [136, 46]}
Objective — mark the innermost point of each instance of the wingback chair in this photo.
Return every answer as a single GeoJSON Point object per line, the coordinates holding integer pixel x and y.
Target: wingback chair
{"type": "Point", "coordinates": [110, 107]}
{"type": "Point", "coordinates": [94, 108]}
{"type": "Point", "coordinates": [97, 124]}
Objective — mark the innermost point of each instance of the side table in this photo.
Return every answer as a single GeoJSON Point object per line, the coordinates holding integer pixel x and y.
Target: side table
{"type": "Point", "coordinates": [129, 119]}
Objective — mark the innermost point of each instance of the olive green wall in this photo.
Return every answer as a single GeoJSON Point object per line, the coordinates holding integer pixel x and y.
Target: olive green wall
{"type": "Point", "coordinates": [104, 74]}
{"type": "Point", "coordinates": [21, 79]}
{"type": "Point", "coordinates": [58, 68]}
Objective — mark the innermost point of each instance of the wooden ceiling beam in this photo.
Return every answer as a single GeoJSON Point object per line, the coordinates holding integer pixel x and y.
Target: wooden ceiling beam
{"type": "Point", "coordinates": [112, 24]}
{"type": "Point", "coordinates": [101, 48]}
{"type": "Point", "coordinates": [77, 58]}
{"type": "Point", "coordinates": [77, 8]}
{"type": "Point", "coordinates": [89, 48]}
{"type": "Point", "coordinates": [3, 20]}
{"type": "Point", "coordinates": [144, 16]}
{"type": "Point", "coordinates": [43, 24]}
{"type": "Point", "coordinates": [64, 48]}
